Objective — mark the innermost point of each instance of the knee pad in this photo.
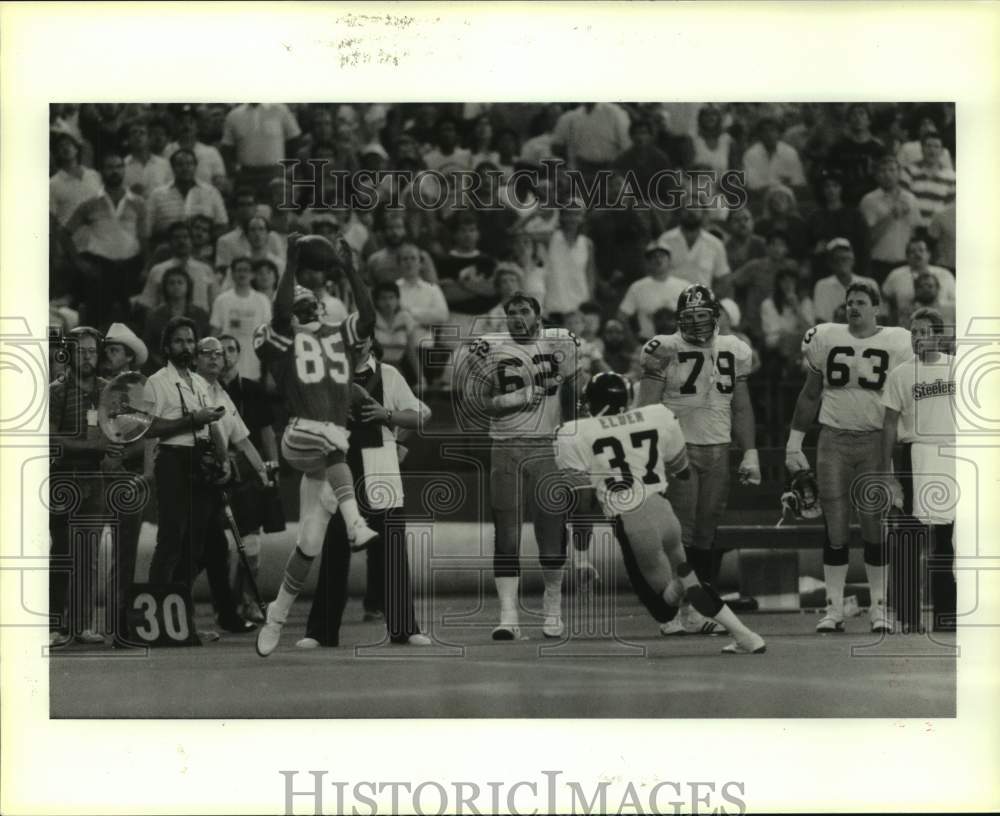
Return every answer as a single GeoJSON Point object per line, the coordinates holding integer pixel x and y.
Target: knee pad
{"type": "Point", "coordinates": [506, 565]}
{"type": "Point", "coordinates": [552, 561]}
{"type": "Point", "coordinates": [835, 556]}
{"type": "Point", "coordinates": [704, 599]}
{"type": "Point", "coordinates": [875, 554]}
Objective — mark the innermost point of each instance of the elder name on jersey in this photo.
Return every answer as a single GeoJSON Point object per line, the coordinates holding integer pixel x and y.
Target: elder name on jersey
{"type": "Point", "coordinates": [854, 371]}
{"type": "Point", "coordinates": [625, 456]}
{"type": "Point", "coordinates": [699, 382]}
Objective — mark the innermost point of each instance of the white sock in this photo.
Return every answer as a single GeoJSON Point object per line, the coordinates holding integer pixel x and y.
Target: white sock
{"type": "Point", "coordinates": [277, 610]}
{"type": "Point", "coordinates": [507, 592]}
{"type": "Point", "coordinates": [726, 617]}
{"type": "Point", "coordinates": [552, 599]}
{"type": "Point", "coordinates": [876, 584]}
{"type": "Point", "coordinates": [351, 515]}
{"type": "Point", "coordinates": [835, 577]}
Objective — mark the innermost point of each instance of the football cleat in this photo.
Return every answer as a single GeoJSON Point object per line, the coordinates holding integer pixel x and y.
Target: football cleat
{"type": "Point", "coordinates": [306, 643]}
{"type": "Point", "coordinates": [507, 631]}
{"type": "Point", "coordinates": [881, 621]}
{"type": "Point", "coordinates": [751, 644]}
{"type": "Point", "coordinates": [553, 627]}
{"type": "Point", "coordinates": [695, 623]}
{"type": "Point", "coordinates": [672, 627]}
{"type": "Point", "coordinates": [832, 621]}
{"type": "Point", "coordinates": [268, 637]}
{"type": "Point", "coordinates": [59, 639]}
{"type": "Point", "coordinates": [418, 639]}
{"type": "Point", "coordinates": [89, 636]}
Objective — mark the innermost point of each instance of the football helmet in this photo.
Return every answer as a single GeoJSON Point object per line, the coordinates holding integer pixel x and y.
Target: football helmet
{"type": "Point", "coordinates": [607, 393]}
{"type": "Point", "coordinates": [801, 499]}
{"type": "Point", "coordinates": [697, 314]}
{"type": "Point", "coordinates": [305, 306]}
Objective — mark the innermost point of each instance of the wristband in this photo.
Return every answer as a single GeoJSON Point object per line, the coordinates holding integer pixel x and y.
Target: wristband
{"type": "Point", "coordinates": [795, 439]}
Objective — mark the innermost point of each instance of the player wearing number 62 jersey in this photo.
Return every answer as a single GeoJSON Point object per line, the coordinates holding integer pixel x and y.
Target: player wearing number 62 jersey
{"type": "Point", "coordinates": [627, 457]}
{"type": "Point", "coordinates": [309, 362]}
{"type": "Point", "coordinates": [701, 376]}
{"type": "Point", "coordinates": [524, 381]}
{"type": "Point", "coordinates": [848, 366]}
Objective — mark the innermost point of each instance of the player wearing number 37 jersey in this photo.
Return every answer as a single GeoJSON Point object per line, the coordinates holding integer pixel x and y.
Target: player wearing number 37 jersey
{"type": "Point", "coordinates": [309, 363]}
{"type": "Point", "coordinates": [848, 367]}
{"type": "Point", "coordinates": [628, 456]}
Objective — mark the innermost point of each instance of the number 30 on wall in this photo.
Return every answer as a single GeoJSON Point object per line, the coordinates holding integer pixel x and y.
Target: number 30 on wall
{"type": "Point", "coordinates": [160, 615]}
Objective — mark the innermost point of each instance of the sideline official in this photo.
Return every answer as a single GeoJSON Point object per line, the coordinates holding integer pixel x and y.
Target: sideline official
{"type": "Point", "coordinates": [373, 452]}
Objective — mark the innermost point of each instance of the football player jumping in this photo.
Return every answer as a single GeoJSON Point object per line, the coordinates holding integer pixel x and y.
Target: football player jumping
{"type": "Point", "coordinates": [848, 367]}
{"type": "Point", "coordinates": [628, 456]}
{"type": "Point", "coordinates": [524, 381]}
{"type": "Point", "coordinates": [310, 366]}
{"type": "Point", "coordinates": [701, 376]}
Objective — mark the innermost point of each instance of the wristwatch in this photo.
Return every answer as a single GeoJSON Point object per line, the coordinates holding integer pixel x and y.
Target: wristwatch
{"type": "Point", "coordinates": [388, 418]}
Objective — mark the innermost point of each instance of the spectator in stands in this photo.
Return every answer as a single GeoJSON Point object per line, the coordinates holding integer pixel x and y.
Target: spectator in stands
{"type": "Point", "coordinates": [619, 352]}
{"type": "Point", "coordinates": [211, 168]}
{"type": "Point", "coordinates": [144, 170]}
{"type": "Point", "coordinates": [781, 214]}
{"type": "Point", "coordinates": [770, 161]}
{"type": "Point", "coordinates": [507, 281]}
{"type": "Point", "coordinates": [236, 242]}
{"type": "Point", "coordinates": [593, 323]}
{"type": "Point", "coordinates": [912, 152]}
{"type": "Point", "coordinates": [785, 316]}
{"type": "Point", "coordinates": [753, 282]}
{"type": "Point", "coordinates": [507, 141]}
{"type": "Point", "coordinates": [396, 331]}
{"type": "Point", "coordinates": [832, 219]}
{"type": "Point", "coordinates": [713, 146]}
{"type": "Point", "coordinates": [525, 252]}
{"type": "Point", "coordinates": [238, 312]}
{"type": "Point", "coordinates": [202, 244]}
{"type": "Point", "coordinates": [385, 264]}
{"type": "Point", "coordinates": [856, 154]}
{"type": "Point", "coordinates": [159, 135]}
{"type": "Point", "coordinates": [696, 256]}
{"type": "Point", "coordinates": [184, 198]}
{"type": "Point", "coordinates": [175, 297]}
{"type": "Point", "coordinates": [829, 292]}
{"type": "Point", "coordinates": [657, 290]}
{"type": "Point", "coordinates": [72, 183]}
{"type": "Point", "coordinates": [422, 299]}
{"type": "Point", "coordinates": [203, 284]}
{"type": "Point", "coordinates": [942, 231]}
{"type": "Point", "coordinates": [891, 213]}
{"type": "Point", "coordinates": [333, 308]}
{"type": "Point", "coordinates": [466, 274]}
{"type": "Point", "coordinates": [265, 277]}
{"type": "Point", "coordinates": [927, 294]}
{"type": "Point", "coordinates": [930, 181]}
{"type": "Point", "coordinates": [481, 143]}
{"type": "Point", "coordinates": [258, 234]}
{"type": "Point", "coordinates": [899, 286]}
{"type": "Point", "coordinates": [643, 159]}
{"type": "Point", "coordinates": [592, 136]}
{"type": "Point", "coordinates": [110, 231]}
{"type": "Point", "coordinates": [539, 146]}
{"type": "Point", "coordinates": [255, 138]}
{"type": "Point", "coordinates": [571, 273]}
{"type": "Point", "coordinates": [743, 244]}
{"type": "Point", "coordinates": [665, 321]}
{"type": "Point", "coordinates": [446, 156]}
{"type": "Point", "coordinates": [589, 357]}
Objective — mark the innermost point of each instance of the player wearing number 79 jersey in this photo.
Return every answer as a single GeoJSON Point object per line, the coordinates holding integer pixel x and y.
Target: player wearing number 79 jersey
{"type": "Point", "coordinates": [309, 362]}
{"type": "Point", "coordinates": [848, 366]}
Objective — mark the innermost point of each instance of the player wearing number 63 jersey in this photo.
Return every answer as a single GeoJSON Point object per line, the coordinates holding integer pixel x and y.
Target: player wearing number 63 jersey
{"type": "Point", "coordinates": [309, 362]}
{"type": "Point", "coordinates": [848, 366]}
{"type": "Point", "coordinates": [628, 456]}
{"type": "Point", "coordinates": [523, 380]}
{"type": "Point", "coordinates": [701, 376]}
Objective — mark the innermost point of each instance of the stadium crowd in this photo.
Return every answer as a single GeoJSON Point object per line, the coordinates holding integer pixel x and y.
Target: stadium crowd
{"type": "Point", "coordinates": [160, 210]}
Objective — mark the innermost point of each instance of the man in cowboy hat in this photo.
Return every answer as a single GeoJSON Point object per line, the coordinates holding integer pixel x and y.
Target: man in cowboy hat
{"type": "Point", "coordinates": [123, 350]}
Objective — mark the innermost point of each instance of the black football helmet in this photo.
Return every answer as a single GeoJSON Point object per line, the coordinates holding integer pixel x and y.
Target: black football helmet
{"type": "Point", "coordinates": [608, 393]}
{"type": "Point", "coordinates": [697, 314]}
{"type": "Point", "coordinates": [305, 306]}
{"type": "Point", "coordinates": [801, 499]}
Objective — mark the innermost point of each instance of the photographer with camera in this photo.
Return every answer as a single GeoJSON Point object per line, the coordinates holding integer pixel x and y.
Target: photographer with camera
{"type": "Point", "coordinates": [186, 457]}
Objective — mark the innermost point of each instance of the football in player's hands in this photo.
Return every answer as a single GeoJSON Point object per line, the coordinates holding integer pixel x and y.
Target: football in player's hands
{"type": "Point", "coordinates": [315, 252]}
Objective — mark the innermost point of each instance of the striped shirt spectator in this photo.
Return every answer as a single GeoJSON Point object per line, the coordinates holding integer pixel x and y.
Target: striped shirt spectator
{"type": "Point", "coordinates": [184, 197]}
{"type": "Point", "coordinates": [930, 180]}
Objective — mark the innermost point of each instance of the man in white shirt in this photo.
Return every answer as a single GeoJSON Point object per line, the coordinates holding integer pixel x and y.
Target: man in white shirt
{"type": "Point", "coordinates": [235, 244]}
{"type": "Point", "coordinates": [659, 289]}
{"type": "Point", "coordinates": [899, 285]}
{"type": "Point", "coordinates": [72, 183]}
{"type": "Point", "coordinates": [892, 214]}
{"type": "Point", "coordinates": [771, 161]}
{"type": "Point", "coordinates": [829, 292]}
{"type": "Point", "coordinates": [446, 156]}
{"type": "Point", "coordinates": [592, 135]}
{"type": "Point", "coordinates": [696, 256]}
{"type": "Point", "coordinates": [203, 285]}
{"type": "Point", "coordinates": [144, 170]}
{"type": "Point", "coordinates": [211, 167]}
{"type": "Point", "coordinates": [239, 311]}
{"type": "Point", "coordinates": [255, 137]}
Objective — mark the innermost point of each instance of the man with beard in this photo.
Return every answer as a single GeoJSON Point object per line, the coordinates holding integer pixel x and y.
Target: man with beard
{"type": "Point", "coordinates": [111, 243]}
{"type": "Point", "coordinates": [696, 255]}
{"type": "Point", "coordinates": [181, 404]}
{"type": "Point", "coordinates": [384, 264]}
